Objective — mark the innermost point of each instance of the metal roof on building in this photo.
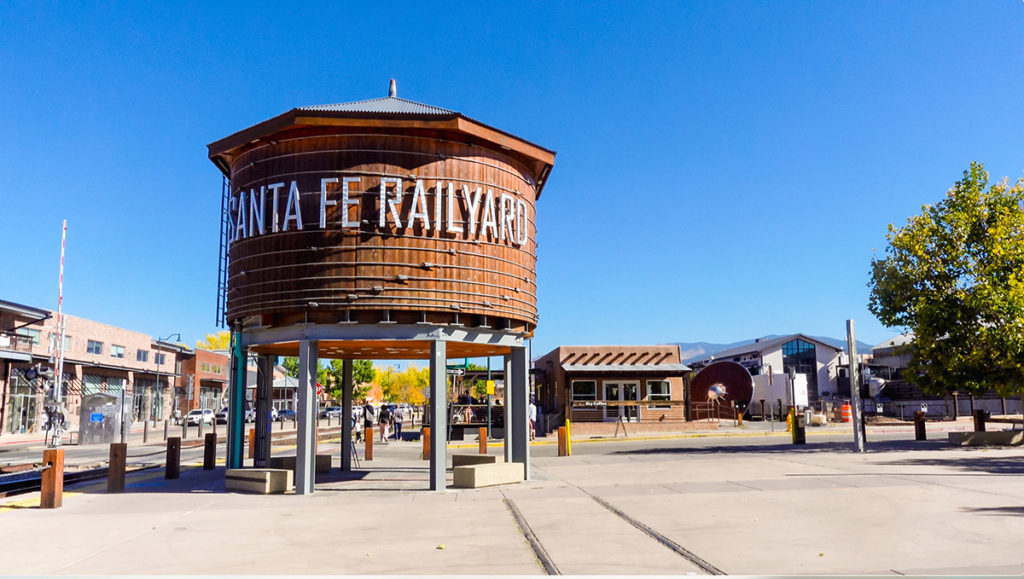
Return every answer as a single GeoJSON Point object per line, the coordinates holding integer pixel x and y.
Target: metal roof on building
{"type": "Point", "coordinates": [636, 368]}
{"type": "Point", "coordinates": [384, 105]}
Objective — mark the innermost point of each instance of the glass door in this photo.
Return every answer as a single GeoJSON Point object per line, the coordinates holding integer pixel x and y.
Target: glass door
{"type": "Point", "coordinates": [612, 393]}
{"type": "Point", "coordinates": [631, 393]}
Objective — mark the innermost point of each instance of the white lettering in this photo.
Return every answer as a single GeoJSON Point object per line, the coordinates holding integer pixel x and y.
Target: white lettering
{"type": "Point", "coordinates": [346, 202]}
{"type": "Point", "coordinates": [419, 201]}
{"type": "Point", "coordinates": [437, 205]}
{"type": "Point", "coordinates": [240, 228]}
{"type": "Point", "coordinates": [323, 200]}
{"type": "Point", "coordinates": [387, 202]}
{"type": "Point", "coordinates": [293, 209]}
{"type": "Point", "coordinates": [522, 223]}
{"type": "Point", "coordinates": [472, 204]}
{"type": "Point", "coordinates": [508, 216]}
{"type": "Point", "coordinates": [274, 221]}
{"type": "Point", "coordinates": [489, 221]}
{"type": "Point", "coordinates": [256, 211]}
{"type": "Point", "coordinates": [452, 227]}
{"type": "Point", "coordinates": [231, 216]}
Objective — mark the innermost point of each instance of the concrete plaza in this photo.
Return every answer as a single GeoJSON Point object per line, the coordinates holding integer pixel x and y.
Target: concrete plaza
{"type": "Point", "coordinates": [740, 502]}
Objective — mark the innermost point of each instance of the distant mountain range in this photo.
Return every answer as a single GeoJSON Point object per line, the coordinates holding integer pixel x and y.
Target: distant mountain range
{"type": "Point", "coordinates": [692, 351]}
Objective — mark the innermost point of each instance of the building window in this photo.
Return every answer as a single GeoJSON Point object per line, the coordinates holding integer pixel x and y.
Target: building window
{"type": "Point", "coordinates": [29, 333]}
{"type": "Point", "coordinates": [142, 355]}
{"type": "Point", "coordinates": [159, 358]}
{"type": "Point", "coordinates": [584, 390]}
{"type": "Point", "coordinates": [116, 351]}
{"type": "Point", "coordinates": [95, 347]}
{"type": "Point", "coordinates": [800, 356]}
{"type": "Point", "coordinates": [658, 390]}
{"type": "Point", "coordinates": [53, 342]}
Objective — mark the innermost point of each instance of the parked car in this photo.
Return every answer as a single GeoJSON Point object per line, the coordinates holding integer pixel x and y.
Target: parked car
{"type": "Point", "coordinates": [205, 415]}
{"type": "Point", "coordinates": [222, 416]}
{"type": "Point", "coordinates": [332, 411]}
{"type": "Point", "coordinates": [285, 414]}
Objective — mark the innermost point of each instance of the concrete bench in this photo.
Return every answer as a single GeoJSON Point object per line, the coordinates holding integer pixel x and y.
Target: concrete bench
{"type": "Point", "coordinates": [323, 463]}
{"type": "Point", "coordinates": [998, 438]}
{"type": "Point", "coordinates": [471, 459]}
{"type": "Point", "coordinates": [474, 476]}
{"type": "Point", "coordinates": [259, 480]}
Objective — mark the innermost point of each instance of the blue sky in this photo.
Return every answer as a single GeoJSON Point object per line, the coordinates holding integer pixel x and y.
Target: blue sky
{"type": "Point", "coordinates": [725, 170]}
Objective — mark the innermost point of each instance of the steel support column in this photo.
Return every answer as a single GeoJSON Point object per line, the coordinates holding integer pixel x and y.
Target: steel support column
{"type": "Point", "coordinates": [520, 392]}
{"type": "Point", "coordinates": [438, 415]}
{"type": "Point", "coordinates": [264, 393]}
{"type": "Point", "coordinates": [305, 433]}
{"type": "Point", "coordinates": [509, 426]}
{"type": "Point", "coordinates": [346, 415]}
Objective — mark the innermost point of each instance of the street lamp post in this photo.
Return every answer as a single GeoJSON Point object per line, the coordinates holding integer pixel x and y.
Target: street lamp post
{"type": "Point", "coordinates": [159, 363]}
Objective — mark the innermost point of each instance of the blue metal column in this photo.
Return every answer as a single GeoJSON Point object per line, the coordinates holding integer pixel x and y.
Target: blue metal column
{"type": "Point", "coordinates": [520, 388]}
{"type": "Point", "coordinates": [438, 415]}
{"type": "Point", "coordinates": [264, 393]}
{"type": "Point", "coordinates": [305, 432]}
{"type": "Point", "coordinates": [236, 400]}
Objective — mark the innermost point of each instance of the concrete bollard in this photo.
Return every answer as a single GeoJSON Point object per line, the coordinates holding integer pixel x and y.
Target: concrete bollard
{"type": "Point", "coordinates": [425, 435]}
{"type": "Point", "coordinates": [919, 432]}
{"type": "Point", "coordinates": [252, 442]}
{"type": "Point", "coordinates": [210, 451]}
{"type": "Point", "coordinates": [115, 472]}
{"type": "Point", "coordinates": [51, 494]}
{"type": "Point", "coordinates": [563, 449]}
{"type": "Point", "coordinates": [173, 467]}
{"type": "Point", "coordinates": [368, 439]}
{"type": "Point", "coordinates": [201, 424]}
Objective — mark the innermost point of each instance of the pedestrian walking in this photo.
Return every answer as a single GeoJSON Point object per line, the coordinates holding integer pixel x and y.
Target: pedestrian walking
{"type": "Point", "coordinates": [385, 422]}
{"type": "Point", "coordinates": [398, 418]}
{"type": "Point", "coordinates": [533, 420]}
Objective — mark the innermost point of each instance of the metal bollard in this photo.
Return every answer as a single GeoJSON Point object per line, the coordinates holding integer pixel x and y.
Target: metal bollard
{"type": "Point", "coordinates": [210, 452]}
{"type": "Point", "coordinates": [173, 467]}
{"type": "Point", "coordinates": [167, 429]}
{"type": "Point", "coordinates": [425, 434]}
{"type": "Point", "coordinates": [483, 440]}
{"type": "Point", "coordinates": [201, 424]}
{"type": "Point", "coordinates": [145, 431]}
{"type": "Point", "coordinates": [919, 432]}
{"type": "Point", "coordinates": [51, 494]}
{"type": "Point", "coordinates": [563, 449]}
{"type": "Point", "coordinates": [368, 439]}
{"type": "Point", "coordinates": [115, 471]}
{"type": "Point", "coordinates": [184, 428]}
{"type": "Point", "coordinates": [979, 420]}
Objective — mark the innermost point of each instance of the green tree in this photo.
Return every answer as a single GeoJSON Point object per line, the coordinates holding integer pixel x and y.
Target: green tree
{"type": "Point", "coordinates": [291, 367]}
{"type": "Point", "coordinates": [954, 276]}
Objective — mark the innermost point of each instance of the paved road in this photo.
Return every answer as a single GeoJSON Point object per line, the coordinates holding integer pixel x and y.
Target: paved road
{"type": "Point", "coordinates": [739, 505]}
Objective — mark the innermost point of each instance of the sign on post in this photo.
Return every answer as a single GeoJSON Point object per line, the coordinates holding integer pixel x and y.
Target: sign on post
{"type": "Point", "coordinates": [800, 390]}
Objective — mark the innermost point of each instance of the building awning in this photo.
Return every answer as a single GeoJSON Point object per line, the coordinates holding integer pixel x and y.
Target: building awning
{"type": "Point", "coordinates": [16, 356]}
{"type": "Point", "coordinates": [650, 369]}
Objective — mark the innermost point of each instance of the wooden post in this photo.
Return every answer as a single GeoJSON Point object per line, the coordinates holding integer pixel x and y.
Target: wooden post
{"type": "Point", "coordinates": [173, 467]}
{"type": "Point", "coordinates": [919, 431]}
{"type": "Point", "coordinates": [426, 442]}
{"type": "Point", "coordinates": [979, 420]}
{"type": "Point", "coordinates": [483, 440]}
{"type": "Point", "coordinates": [368, 439]}
{"type": "Point", "coordinates": [115, 472]}
{"type": "Point", "coordinates": [562, 449]}
{"type": "Point", "coordinates": [51, 494]}
{"type": "Point", "coordinates": [252, 442]}
{"type": "Point", "coordinates": [210, 451]}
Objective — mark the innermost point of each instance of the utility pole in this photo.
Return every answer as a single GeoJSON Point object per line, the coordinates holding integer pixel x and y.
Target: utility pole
{"type": "Point", "coordinates": [851, 345]}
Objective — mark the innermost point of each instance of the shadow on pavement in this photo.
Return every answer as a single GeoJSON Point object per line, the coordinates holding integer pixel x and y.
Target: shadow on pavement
{"type": "Point", "coordinates": [789, 448]}
{"type": "Point", "coordinates": [970, 462]}
{"type": "Point", "coordinates": [1005, 511]}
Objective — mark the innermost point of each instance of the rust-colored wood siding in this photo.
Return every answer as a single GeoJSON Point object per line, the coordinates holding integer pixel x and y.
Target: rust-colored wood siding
{"type": "Point", "coordinates": [427, 274]}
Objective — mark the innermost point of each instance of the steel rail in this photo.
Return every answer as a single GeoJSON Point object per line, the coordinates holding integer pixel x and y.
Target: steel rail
{"type": "Point", "coordinates": [538, 548]}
